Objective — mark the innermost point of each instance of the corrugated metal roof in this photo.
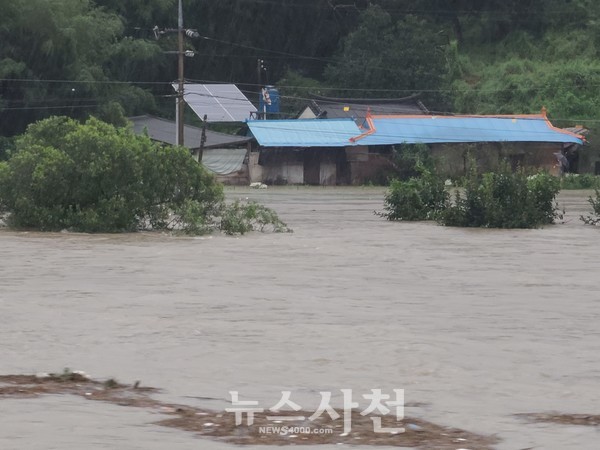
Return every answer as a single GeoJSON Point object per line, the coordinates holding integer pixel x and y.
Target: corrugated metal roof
{"type": "Point", "coordinates": [304, 132]}
{"type": "Point", "coordinates": [332, 109]}
{"type": "Point", "coordinates": [390, 130]}
{"type": "Point", "coordinates": [163, 130]}
{"type": "Point", "coordinates": [463, 129]}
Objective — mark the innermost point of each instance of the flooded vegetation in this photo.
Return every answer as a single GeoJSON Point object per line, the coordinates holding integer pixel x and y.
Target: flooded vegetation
{"type": "Point", "coordinates": [476, 325]}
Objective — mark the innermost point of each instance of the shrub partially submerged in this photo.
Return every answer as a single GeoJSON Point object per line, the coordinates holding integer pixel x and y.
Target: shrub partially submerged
{"type": "Point", "coordinates": [418, 198]}
{"type": "Point", "coordinates": [577, 181]}
{"type": "Point", "coordinates": [239, 218]}
{"type": "Point", "coordinates": [98, 178]}
{"type": "Point", "coordinates": [502, 199]}
{"type": "Point", "coordinates": [593, 219]}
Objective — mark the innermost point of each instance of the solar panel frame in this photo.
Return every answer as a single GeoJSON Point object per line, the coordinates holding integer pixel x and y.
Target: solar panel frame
{"type": "Point", "coordinates": [219, 102]}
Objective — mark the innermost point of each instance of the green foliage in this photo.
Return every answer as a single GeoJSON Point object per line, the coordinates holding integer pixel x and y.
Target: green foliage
{"type": "Point", "coordinates": [242, 217]}
{"type": "Point", "coordinates": [418, 198]}
{"type": "Point", "coordinates": [297, 35]}
{"type": "Point", "coordinates": [4, 171]}
{"type": "Point", "coordinates": [7, 145]}
{"type": "Point", "coordinates": [594, 218]}
{"type": "Point", "coordinates": [113, 113]}
{"type": "Point", "coordinates": [577, 181]}
{"type": "Point", "coordinates": [468, 56]}
{"type": "Point", "coordinates": [146, 12]}
{"type": "Point", "coordinates": [410, 160]}
{"type": "Point", "coordinates": [98, 178]}
{"type": "Point", "coordinates": [519, 84]}
{"type": "Point", "coordinates": [382, 53]}
{"type": "Point", "coordinates": [295, 91]}
{"type": "Point", "coordinates": [522, 56]}
{"type": "Point", "coordinates": [76, 43]}
{"type": "Point", "coordinates": [504, 199]}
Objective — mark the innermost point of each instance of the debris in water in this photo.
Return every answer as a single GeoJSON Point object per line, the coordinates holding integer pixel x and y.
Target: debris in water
{"type": "Point", "coordinates": [419, 433]}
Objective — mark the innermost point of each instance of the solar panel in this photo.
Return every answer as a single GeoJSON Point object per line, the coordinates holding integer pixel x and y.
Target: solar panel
{"type": "Point", "coordinates": [220, 102]}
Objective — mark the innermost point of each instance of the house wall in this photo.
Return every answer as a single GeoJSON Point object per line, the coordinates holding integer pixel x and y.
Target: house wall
{"type": "Point", "coordinates": [277, 166]}
{"type": "Point", "coordinates": [239, 178]}
{"type": "Point", "coordinates": [368, 166]}
{"type": "Point", "coordinates": [589, 160]}
{"type": "Point", "coordinates": [318, 166]}
{"type": "Point", "coordinates": [289, 172]}
{"type": "Point", "coordinates": [325, 165]}
{"type": "Point", "coordinates": [359, 165]}
{"type": "Point", "coordinates": [255, 171]}
{"type": "Point", "coordinates": [328, 174]}
{"type": "Point", "coordinates": [451, 159]}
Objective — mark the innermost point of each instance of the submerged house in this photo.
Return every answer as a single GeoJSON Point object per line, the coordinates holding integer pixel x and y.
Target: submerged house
{"type": "Point", "coordinates": [338, 151]}
{"type": "Point", "coordinates": [222, 154]}
{"type": "Point", "coordinates": [309, 151]}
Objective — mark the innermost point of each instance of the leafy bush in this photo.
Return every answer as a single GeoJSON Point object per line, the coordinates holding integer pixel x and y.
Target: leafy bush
{"type": "Point", "coordinates": [418, 198]}
{"type": "Point", "coordinates": [6, 146]}
{"type": "Point", "coordinates": [410, 160]}
{"type": "Point", "coordinates": [504, 199]}
{"type": "Point", "coordinates": [98, 178]}
{"type": "Point", "coordinates": [239, 218]}
{"type": "Point", "coordinates": [595, 218]}
{"type": "Point", "coordinates": [583, 181]}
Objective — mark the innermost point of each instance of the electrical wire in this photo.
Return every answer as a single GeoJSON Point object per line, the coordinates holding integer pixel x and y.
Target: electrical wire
{"type": "Point", "coordinates": [25, 108]}
{"type": "Point", "coordinates": [36, 80]}
{"type": "Point", "coordinates": [384, 108]}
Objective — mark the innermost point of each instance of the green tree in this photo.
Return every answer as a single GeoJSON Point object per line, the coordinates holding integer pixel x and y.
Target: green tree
{"type": "Point", "coordinates": [295, 91]}
{"type": "Point", "coordinates": [62, 56]}
{"type": "Point", "coordinates": [95, 177]}
{"type": "Point", "coordinates": [383, 54]}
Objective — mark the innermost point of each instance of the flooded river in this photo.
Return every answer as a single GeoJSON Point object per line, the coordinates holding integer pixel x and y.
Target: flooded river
{"type": "Point", "coordinates": [474, 325]}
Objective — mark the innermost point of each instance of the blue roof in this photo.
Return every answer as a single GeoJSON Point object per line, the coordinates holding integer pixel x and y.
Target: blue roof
{"type": "Point", "coordinates": [390, 130]}
{"type": "Point", "coordinates": [455, 129]}
{"type": "Point", "coordinates": [304, 132]}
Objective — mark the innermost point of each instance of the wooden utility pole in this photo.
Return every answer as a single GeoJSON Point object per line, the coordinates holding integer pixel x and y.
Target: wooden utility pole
{"type": "Point", "coordinates": [202, 140]}
{"type": "Point", "coordinates": [180, 92]}
{"type": "Point", "coordinates": [180, 102]}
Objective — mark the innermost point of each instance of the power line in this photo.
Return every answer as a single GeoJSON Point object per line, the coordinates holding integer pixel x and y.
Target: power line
{"type": "Point", "coordinates": [277, 52]}
{"type": "Point", "coordinates": [388, 108]}
{"type": "Point", "coordinates": [36, 80]}
{"type": "Point", "coordinates": [290, 97]}
{"type": "Point", "coordinates": [322, 88]}
{"type": "Point", "coordinates": [24, 108]}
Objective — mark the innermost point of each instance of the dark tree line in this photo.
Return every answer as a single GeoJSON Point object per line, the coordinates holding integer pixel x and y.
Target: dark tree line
{"type": "Point", "coordinates": [82, 57]}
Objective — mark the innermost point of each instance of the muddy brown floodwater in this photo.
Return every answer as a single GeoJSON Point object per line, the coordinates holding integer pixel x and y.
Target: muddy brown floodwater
{"type": "Point", "coordinates": [479, 327]}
